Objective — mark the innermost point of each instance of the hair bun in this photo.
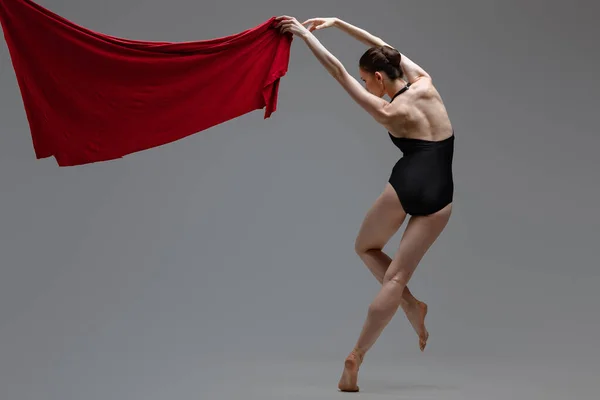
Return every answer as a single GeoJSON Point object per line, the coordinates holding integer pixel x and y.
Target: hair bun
{"type": "Point", "coordinates": [392, 55]}
{"type": "Point", "coordinates": [382, 58]}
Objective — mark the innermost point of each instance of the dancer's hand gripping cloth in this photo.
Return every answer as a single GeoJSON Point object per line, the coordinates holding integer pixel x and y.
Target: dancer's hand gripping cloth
{"type": "Point", "coordinates": [91, 97]}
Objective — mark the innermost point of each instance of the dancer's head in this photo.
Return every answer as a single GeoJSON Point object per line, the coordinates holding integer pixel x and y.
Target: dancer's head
{"type": "Point", "coordinates": [379, 67]}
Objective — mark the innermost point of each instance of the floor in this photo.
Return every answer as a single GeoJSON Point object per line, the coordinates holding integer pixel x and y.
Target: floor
{"type": "Point", "coordinates": [410, 378]}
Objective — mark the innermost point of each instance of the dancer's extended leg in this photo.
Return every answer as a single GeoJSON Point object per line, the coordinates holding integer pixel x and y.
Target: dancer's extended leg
{"type": "Point", "coordinates": [381, 222]}
{"type": "Point", "coordinates": [419, 235]}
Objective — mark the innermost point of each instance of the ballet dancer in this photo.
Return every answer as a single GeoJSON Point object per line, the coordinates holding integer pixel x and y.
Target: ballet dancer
{"type": "Point", "coordinates": [420, 184]}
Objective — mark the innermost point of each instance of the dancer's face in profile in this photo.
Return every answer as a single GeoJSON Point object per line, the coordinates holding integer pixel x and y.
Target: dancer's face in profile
{"type": "Point", "coordinates": [374, 82]}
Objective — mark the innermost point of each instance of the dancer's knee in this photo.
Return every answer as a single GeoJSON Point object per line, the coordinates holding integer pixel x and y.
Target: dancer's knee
{"type": "Point", "coordinates": [359, 247]}
{"type": "Point", "coordinates": [398, 275]}
{"type": "Point", "coordinates": [363, 249]}
{"type": "Point", "coordinates": [400, 280]}
{"type": "Point", "coordinates": [383, 307]}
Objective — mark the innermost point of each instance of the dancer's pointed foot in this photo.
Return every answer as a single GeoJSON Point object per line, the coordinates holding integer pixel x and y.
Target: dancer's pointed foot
{"type": "Point", "coordinates": [416, 313]}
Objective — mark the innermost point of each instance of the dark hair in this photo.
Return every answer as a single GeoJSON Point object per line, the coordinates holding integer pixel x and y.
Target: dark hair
{"type": "Point", "coordinates": [382, 58]}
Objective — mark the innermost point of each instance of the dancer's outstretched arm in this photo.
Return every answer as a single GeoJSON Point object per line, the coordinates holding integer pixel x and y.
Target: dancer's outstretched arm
{"type": "Point", "coordinates": [357, 33]}
{"type": "Point", "coordinates": [410, 68]}
{"type": "Point", "coordinates": [375, 106]}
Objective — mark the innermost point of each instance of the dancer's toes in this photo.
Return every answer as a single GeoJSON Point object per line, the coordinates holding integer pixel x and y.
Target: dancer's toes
{"type": "Point", "coordinates": [423, 340]}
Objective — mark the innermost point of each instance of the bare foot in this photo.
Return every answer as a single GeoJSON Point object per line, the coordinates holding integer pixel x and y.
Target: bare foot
{"type": "Point", "coordinates": [348, 381]}
{"type": "Point", "coordinates": [416, 313]}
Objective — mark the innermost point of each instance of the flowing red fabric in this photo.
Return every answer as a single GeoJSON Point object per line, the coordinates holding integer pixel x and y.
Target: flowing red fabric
{"type": "Point", "coordinates": [91, 97]}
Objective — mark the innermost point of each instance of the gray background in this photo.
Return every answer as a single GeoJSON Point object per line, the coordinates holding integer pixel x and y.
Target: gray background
{"type": "Point", "coordinates": [222, 266]}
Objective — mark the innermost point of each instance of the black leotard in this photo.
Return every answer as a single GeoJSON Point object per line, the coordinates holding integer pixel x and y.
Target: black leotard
{"type": "Point", "coordinates": [422, 178]}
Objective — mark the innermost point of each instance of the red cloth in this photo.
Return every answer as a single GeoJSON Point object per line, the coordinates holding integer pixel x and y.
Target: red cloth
{"type": "Point", "coordinates": [91, 97]}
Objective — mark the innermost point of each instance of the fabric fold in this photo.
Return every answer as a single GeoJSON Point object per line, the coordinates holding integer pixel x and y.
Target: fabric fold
{"type": "Point", "coordinates": [93, 97]}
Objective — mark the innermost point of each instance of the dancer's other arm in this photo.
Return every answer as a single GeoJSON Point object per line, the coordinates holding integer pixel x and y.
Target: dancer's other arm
{"type": "Point", "coordinates": [410, 68]}
{"type": "Point", "coordinates": [375, 106]}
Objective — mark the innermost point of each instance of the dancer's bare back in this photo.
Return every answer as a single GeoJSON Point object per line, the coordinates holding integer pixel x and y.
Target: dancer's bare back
{"type": "Point", "coordinates": [420, 112]}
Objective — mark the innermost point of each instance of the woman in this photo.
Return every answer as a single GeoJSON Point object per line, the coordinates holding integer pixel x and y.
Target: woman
{"type": "Point", "coordinates": [420, 185]}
